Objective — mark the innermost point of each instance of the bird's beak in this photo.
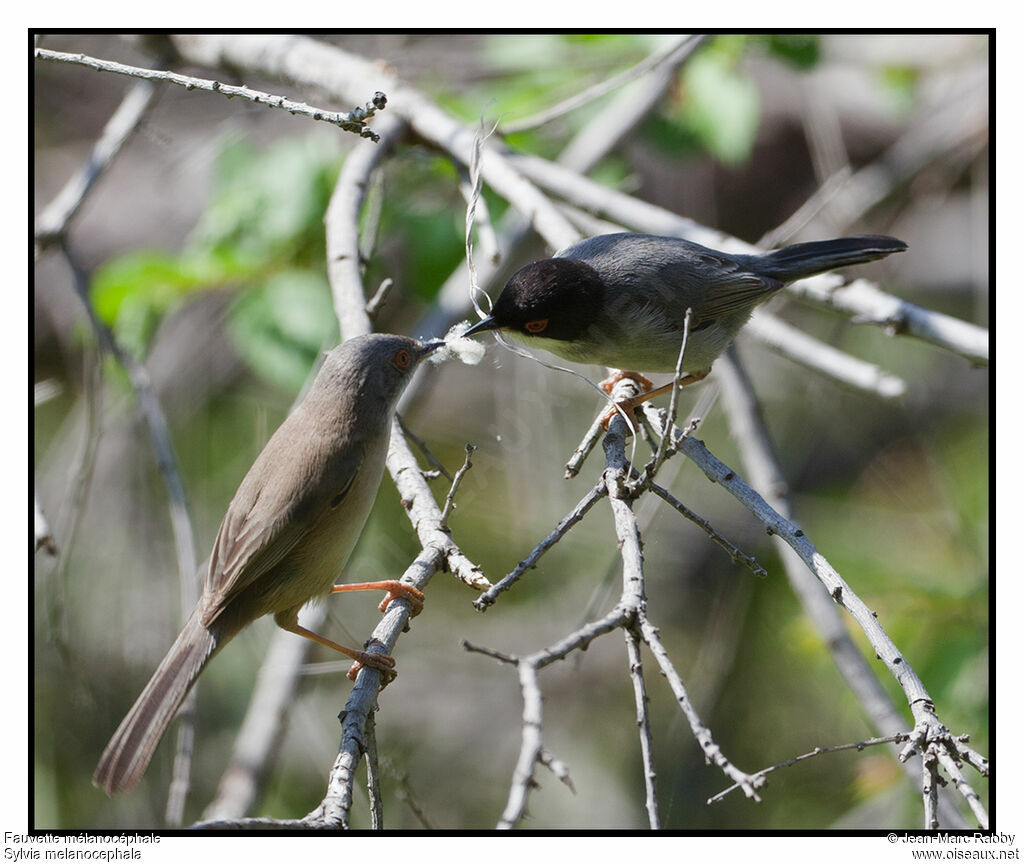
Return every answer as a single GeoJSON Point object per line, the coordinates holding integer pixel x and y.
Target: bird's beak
{"type": "Point", "coordinates": [484, 324]}
{"type": "Point", "coordinates": [432, 346]}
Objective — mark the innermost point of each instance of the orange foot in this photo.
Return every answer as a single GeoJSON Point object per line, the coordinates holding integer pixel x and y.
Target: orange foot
{"type": "Point", "coordinates": [627, 405]}
{"type": "Point", "coordinates": [609, 383]}
{"type": "Point", "coordinates": [384, 663]}
{"type": "Point", "coordinates": [394, 589]}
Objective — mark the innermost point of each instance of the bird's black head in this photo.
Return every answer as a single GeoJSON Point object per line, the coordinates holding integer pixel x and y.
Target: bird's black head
{"type": "Point", "coordinates": [555, 298]}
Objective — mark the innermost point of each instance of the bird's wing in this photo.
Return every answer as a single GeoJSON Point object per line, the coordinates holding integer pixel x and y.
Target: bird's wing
{"type": "Point", "coordinates": [272, 511]}
{"type": "Point", "coordinates": [730, 286]}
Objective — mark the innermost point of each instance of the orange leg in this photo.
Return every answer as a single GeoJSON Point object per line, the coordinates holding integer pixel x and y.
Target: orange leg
{"type": "Point", "coordinates": [627, 405]}
{"type": "Point", "coordinates": [384, 663]}
{"type": "Point", "coordinates": [394, 589]}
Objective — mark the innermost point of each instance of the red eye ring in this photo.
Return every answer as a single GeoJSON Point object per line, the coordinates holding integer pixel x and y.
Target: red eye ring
{"type": "Point", "coordinates": [535, 326]}
{"type": "Point", "coordinates": [402, 358]}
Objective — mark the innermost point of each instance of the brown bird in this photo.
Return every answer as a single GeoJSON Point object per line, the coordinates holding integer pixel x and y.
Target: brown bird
{"type": "Point", "coordinates": [287, 534]}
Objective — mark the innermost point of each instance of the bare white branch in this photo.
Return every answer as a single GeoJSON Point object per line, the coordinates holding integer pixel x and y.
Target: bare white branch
{"type": "Point", "coordinates": [643, 723]}
{"type": "Point", "coordinates": [801, 347]}
{"type": "Point", "coordinates": [350, 121]}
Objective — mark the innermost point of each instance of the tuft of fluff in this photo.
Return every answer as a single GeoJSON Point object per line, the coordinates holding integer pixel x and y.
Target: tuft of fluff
{"type": "Point", "coordinates": [467, 350]}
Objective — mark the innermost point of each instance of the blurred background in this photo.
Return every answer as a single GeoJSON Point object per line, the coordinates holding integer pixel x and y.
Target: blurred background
{"type": "Point", "coordinates": [203, 246]}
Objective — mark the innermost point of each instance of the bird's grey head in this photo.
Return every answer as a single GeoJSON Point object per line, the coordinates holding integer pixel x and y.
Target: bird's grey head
{"type": "Point", "coordinates": [377, 365]}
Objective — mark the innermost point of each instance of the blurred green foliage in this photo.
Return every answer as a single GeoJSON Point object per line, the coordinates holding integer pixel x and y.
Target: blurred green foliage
{"type": "Point", "coordinates": [261, 232]}
{"type": "Point", "coordinates": [802, 50]}
{"type": "Point", "coordinates": [720, 106]}
{"type": "Point", "coordinates": [900, 82]}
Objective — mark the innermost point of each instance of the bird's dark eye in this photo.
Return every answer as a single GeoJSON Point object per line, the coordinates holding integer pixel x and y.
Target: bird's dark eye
{"type": "Point", "coordinates": [535, 326]}
{"type": "Point", "coordinates": [402, 358]}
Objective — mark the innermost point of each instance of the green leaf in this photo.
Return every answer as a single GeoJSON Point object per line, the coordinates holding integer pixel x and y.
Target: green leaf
{"type": "Point", "coordinates": [268, 205]}
{"type": "Point", "coordinates": [802, 50]}
{"type": "Point", "coordinates": [281, 325]}
{"type": "Point", "coordinates": [132, 292]}
{"type": "Point", "coordinates": [721, 107]}
{"type": "Point", "coordinates": [265, 215]}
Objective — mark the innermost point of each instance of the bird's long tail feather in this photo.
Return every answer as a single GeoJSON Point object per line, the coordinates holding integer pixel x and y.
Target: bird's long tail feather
{"type": "Point", "coordinates": [133, 743]}
{"type": "Point", "coordinates": [806, 259]}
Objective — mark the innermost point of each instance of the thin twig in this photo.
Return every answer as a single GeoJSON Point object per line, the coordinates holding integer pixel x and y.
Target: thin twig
{"type": "Point", "coordinates": [713, 753]}
{"type": "Point", "coordinates": [81, 479]}
{"type": "Point", "coordinates": [404, 793]}
{"type": "Point", "coordinates": [373, 775]}
{"type": "Point", "coordinates": [424, 514]}
{"type": "Point", "coordinates": [950, 763]}
{"type": "Point", "coordinates": [651, 469]}
{"type": "Point", "coordinates": [840, 591]}
{"type": "Point", "coordinates": [249, 823]}
{"type": "Point", "coordinates": [181, 523]}
{"type": "Point", "coordinates": [351, 121]}
{"type": "Point", "coordinates": [817, 752]}
{"type": "Point", "coordinates": [567, 522]}
{"type": "Point", "coordinates": [423, 448]}
{"type": "Point", "coordinates": [181, 770]}
{"type": "Point", "coordinates": [380, 296]}
{"type": "Point", "coordinates": [556, 767]}
{"type": "Point", "coordinates": [530, 748]}
{"type": "Point", "coordinates": [624, 389]}
{"type": "Point", "coordinates": [805, 214]}
{"type": "Point", "coordinates": [449, 502]}
{"type": "Point", "coordinates": [930, 789]}
{"type": "Point", "coordinates": [643, 723]}
{"type": "Point", "coordinates": [504, 657]}
{"type": "Point", "coordinates": [735, 553]}
{"type": "Point", "coordinates": [583, 449]}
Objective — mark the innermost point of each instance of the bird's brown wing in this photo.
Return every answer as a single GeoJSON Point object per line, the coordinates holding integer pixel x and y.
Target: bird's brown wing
{"type": "Point", "coordinates": [272, 511]}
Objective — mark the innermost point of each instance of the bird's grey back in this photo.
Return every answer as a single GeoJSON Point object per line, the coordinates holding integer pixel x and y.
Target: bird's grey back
{"type": "Point", "coordinates": [668, 265]}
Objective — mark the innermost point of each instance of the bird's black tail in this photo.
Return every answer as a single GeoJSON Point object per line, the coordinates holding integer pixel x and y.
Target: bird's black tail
{"type": "Point", "coordinates": [806, 259]}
